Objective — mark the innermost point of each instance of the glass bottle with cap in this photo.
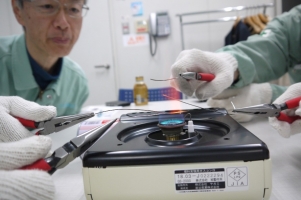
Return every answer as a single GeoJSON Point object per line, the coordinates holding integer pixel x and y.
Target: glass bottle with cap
{"type": "Point", "coordinates": [140, 92]}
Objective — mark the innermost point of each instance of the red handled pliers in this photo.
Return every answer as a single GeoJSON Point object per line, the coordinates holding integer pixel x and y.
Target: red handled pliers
{"type": "Point", "coordinates": [192, 76]}
{"type": "Point", "coordinates": [197, 76]}
{"type": "Point", "coordinates": [55, 124]}
{"type": "Point", "coordinates": [71, 150]}
{"type": "Point", "coordinates": [272, 110]}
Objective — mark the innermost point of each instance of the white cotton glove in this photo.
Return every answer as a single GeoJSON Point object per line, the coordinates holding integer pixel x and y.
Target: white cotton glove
{"type": "Point", "coordinates": [250, 95]}
{"type": "Point", "coordinates": [222, 65]}
{"type": "Point", "coordinates": [19, 148]}
{"type": "Point", "coordinates": [24, 184]}
{"type": "Point", "coordinates": [10, 128]}
{"type": "Point", "coordinates": [285, 129]}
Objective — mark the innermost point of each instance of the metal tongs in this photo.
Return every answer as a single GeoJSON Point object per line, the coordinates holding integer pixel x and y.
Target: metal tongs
{"type": "Point", "coordinates": [71, 150]}
{"type": "Point", "coordinates": [272, 110]}
{"type": "Point", "coordinates": [192, 76]}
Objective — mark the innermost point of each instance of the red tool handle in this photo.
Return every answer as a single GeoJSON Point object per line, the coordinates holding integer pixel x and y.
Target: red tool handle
{"type": "Point", "coordinates": [288, 119]}
{"type": "Point", "coordinates": [29, 123]}
{"type": "Point", "coordinates": [39, 164]}
{"type": "Point", "coordinates": [293, 103]}
{"type": "Point", "coordinates": [206, 77]}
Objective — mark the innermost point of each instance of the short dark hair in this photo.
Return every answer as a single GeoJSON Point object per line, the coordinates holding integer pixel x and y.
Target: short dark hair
{"type": "Point", "coordinates": [20, 2]}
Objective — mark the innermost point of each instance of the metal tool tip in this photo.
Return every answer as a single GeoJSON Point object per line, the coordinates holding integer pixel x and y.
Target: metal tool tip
{"type": "Point", "coordinates": [156, 80]}
{"type": "Point", "coordinates": [233, 105]}
{"type": "Point", "coordinates": [163, 79]}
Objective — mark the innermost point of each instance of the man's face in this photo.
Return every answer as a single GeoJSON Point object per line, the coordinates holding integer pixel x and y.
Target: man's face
{"type": "Point", "coordinates": [53, 35]}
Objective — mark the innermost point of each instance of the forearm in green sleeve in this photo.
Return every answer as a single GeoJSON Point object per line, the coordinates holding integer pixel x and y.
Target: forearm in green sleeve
{"type": "Point", "coordinates": [277, 90]}
{"type": "Point", "coordinates": [268, 56]}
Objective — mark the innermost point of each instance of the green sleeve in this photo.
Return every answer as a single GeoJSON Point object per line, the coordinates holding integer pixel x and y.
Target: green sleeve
{"type": "Point", "coordinates": [271, 54]}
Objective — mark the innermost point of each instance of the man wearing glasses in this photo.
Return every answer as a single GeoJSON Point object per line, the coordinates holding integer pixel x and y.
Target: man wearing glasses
{"type": "Point", "coordinates": [33, 65]}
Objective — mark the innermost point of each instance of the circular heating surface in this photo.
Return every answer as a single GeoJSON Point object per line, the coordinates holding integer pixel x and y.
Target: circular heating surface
{"type": "Point", "coordinates": [150, 133]}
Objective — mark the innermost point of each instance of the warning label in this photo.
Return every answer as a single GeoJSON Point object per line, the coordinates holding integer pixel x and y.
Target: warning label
{"type": "Point", "coordinates": [211, 179]}
{"type": "Point", "coordinates": [135, 40]}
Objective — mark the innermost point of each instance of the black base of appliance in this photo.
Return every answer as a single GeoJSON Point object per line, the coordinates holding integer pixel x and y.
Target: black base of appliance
{"type": "Point", "coordinates": [136, 139]}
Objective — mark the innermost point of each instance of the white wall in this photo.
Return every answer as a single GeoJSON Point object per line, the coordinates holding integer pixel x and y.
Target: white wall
{"type": "Point", "coordinates": [8, 23]}
{"type": "Point", "coordinates": [101, 40]}
{"type": "Point", "coordinates": [208, 36]}
{"type": "Point", "coordinates": [94, 48]}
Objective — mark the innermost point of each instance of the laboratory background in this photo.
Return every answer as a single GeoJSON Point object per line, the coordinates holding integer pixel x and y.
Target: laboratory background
{"type": "Point", "coordinates": [114, 48]}
{"type": "Point", "coordinates": [118, 46]}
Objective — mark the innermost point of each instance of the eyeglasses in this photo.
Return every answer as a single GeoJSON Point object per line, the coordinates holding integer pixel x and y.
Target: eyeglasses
{"type": "Point", "coordinates": [74, 9]}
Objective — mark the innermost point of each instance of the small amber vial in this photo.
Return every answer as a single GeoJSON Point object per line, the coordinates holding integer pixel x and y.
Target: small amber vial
{"type": "Point", "coordinates": [140, 92]}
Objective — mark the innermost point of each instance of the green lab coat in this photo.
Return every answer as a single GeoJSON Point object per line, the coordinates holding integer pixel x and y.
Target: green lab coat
{"type": "Point", "coordinates": [271, 54]}
{"type": "Point", "coordinates": [67, 93]}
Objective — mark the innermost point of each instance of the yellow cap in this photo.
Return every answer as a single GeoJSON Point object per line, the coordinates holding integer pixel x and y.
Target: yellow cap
{"type": "Point", "coordinates": [139, 78]}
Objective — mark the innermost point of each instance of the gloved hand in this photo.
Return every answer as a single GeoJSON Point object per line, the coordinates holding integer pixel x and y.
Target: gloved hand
{"type": "Point", "coordinates": [250, 95]}
{"type": "Point", "coordinates": [222, 65]}
{"type": "Point", "coordinates": [19, 148]}
{"type": "Point", "coordinates": [285, 129]}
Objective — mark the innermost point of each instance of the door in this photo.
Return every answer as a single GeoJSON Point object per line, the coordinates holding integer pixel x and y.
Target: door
{"type": "Point", "coordinates": [93, 52]}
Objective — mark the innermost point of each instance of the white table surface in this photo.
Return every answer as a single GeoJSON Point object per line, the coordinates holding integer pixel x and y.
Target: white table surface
{"type": "Point", "coordinates": [285, 155]}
